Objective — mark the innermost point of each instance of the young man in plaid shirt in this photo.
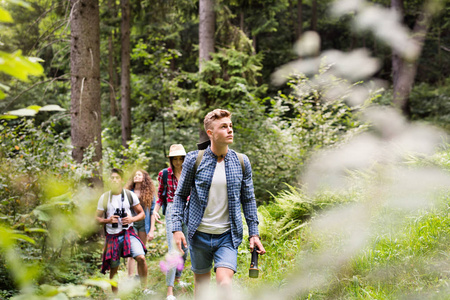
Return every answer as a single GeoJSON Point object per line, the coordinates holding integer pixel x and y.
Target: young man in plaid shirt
{"type": "Point", "coordinates": [217, 189]}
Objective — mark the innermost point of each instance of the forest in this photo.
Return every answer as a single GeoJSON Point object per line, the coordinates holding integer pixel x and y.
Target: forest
{"type": "Point", "coordinates": [342, 107]}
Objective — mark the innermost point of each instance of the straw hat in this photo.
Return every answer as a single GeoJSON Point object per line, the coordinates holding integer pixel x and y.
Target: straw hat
{"type": "Point", "coordinates": [176, 150]}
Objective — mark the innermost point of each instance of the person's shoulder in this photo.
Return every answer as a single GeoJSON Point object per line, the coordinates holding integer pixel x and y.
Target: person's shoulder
{"type": "Point", "coordinates": [101, 200]}
{"type": "Point", "coordinates": [236, 154]}
{"type": "Point", "coordinates": [133, 194]}
{"type": "Point", "coordinates": [103, 195]}
{"type": "Point", "coordinates": [192, 155]}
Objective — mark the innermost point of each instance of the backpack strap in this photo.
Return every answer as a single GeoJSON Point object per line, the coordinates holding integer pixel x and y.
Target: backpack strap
{"type": "Point", "coordinates": [130, 200]}
{"type": "Point", "coordinates": [165, 178]}
{"type": "Point", "coordinates": [241, 160]}
{"type": "Point", "coordinates": [198, 160]}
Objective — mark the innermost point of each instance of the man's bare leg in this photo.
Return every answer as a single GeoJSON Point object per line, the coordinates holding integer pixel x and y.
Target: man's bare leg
{"type": "Point", "coordinates": [142, 269]}
{"type": "Point", "coordinates": [201, 282]}
{"type": "Point", "coordinates": [224, 279]}
{"type": "Point", "coordinates": [112, 273]}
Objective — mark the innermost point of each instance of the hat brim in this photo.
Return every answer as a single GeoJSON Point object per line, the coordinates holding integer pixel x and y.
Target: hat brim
{"type": "Point", "coordinates": [177, 153]}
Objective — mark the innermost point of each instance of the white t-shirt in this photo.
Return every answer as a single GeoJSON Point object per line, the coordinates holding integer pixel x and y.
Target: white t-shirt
{"type": "Point", "coordinates": [216, 219]}
{"type": "Point", "coordinates": [116, 202]}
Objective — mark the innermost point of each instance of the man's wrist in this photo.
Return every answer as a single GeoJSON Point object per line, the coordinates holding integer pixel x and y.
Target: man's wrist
{"type": "Point", "coordinates": [253, 235]}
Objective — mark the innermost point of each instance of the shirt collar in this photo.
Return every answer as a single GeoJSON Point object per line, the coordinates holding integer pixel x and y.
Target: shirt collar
{"type": "Point", "coordinates": [211, 153]}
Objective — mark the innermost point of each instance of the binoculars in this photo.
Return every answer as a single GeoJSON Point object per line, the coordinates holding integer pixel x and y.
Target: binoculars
{"type": "Point", "coordinates": [122, 214]}
{"type": "Point", "coordinates": [253, 272]}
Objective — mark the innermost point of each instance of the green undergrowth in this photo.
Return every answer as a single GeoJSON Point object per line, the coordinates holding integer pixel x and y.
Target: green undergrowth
{"type": "Point", "coordinates": [405, 259]}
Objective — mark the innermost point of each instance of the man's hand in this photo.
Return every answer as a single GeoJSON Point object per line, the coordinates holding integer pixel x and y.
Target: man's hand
{"type": "Point", "coordinates": [113, 219]}
{"type": "Point", "coordinates": [127, 220]}
{"type": "Point", "coordinates": [254, 240]}
{"type": "Point", "coordinates": [178, 237]}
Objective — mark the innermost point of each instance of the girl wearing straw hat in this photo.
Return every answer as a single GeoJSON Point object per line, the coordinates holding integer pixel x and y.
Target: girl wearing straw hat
{"type": "Point", "coordinates": [168, 181]}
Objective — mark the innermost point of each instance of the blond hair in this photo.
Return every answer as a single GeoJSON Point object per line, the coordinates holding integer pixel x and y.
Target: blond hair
{"type": "Point", "coordinates": [215, 115]}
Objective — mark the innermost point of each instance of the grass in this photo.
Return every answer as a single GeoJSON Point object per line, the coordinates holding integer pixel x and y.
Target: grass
{"type": "Point", "coordinates": [406, 256]}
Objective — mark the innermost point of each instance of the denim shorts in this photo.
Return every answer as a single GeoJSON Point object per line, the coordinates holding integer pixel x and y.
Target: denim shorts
{"type": "Point", "coordinates": [136, 249]}
{"type": "Point", "coordinates": [139, 226]}
{"type": "Point", "coordinates": [206, 248]}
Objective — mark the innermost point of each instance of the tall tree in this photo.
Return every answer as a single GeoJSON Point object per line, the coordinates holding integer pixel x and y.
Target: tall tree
{"type": "Point", "coordinates": [314, 15]}
{"type": "Point", "coordinates": [207, 27]}
{"type": "Point", "coordinates": [299, 26]}
{"type": "Point", "coordinates": [85, 78]}
{"type": "Point", "coordinates": [125, 72]}
{"type": "Point", "coordinates": [111, 70]}
{"type": "Point", "coordinates": [404, 70]}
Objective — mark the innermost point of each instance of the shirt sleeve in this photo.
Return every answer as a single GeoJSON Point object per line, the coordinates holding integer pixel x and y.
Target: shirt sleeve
{"type": "Point", "coordinates": [160, 188]}
{"type": "Point", "coordinates": [135, 199]}
{"type": "Point", "coordinates": [248, 199]}
{"type": "Point", "coordinates": [183, 189]}
{"type": "Point", "coordinates": [100, 203]}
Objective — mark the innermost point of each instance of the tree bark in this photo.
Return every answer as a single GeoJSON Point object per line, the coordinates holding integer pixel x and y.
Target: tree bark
{"type": "Point", "coordinates": [314, 15]}
{"type": "Point", "coordinates": [397, 61]}
{"type": "Point", "coordinates": [111, 72]}
{"type": "Point", "coordinates": [125, 73]}
{"type": "Point", "coordinates": [403, 71]}
{"type": "Point", "coordinates": [85, 79]}
{"type": "Point", "coordinates": [299, 26]}
{"type": "Point", "coordinates": [207, 29]}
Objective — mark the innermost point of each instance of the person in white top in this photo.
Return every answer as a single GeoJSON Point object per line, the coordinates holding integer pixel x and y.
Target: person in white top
{"type": "Point", "coordinates": [117, 209]}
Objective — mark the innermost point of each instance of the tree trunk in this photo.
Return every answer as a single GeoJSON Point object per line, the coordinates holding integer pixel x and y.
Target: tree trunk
{"type": "Point", "coordinates": [111, 71]}
{"type": "Point", "coordinates": [314, 15]}
{"type": "Point", "coordinates": [85, 79]}
{"type": "Point", "coordinates": [206, 31]}
{"type": "Point", "coordinates": [299, 26]}
{"type": "Point", "coordinates": [397, 61]}
{"type": "Point", "coordinates": [404, 72]}
{"type": "Point", "coordinates": [125, 73]}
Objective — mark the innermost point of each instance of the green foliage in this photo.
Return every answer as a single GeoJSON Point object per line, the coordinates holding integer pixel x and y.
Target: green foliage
{"type": "Point", "coordinates": [133, 157]}
{"type": "Point", "coordinates": [37, 180]}
{"type": "Point", "coordinates": [292, 209]}
{"type": "Point", "coordinates": [431, 103]}
{"type": "Point", "coordinates": [280, 141]}
{"type": "Point", "coordinates": [230, 76]}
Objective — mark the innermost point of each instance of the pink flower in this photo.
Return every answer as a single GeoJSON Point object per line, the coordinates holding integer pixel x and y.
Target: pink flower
{"type": "Point", "coordinates": [173, 260]}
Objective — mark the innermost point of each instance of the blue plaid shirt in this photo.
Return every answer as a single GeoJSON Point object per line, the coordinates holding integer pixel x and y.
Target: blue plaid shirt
{"type": "Point", "coordinates": [239, 187]}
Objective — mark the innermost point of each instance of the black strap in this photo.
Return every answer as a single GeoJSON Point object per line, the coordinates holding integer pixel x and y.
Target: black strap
{"type": "Point", "coordinates": [165, 177]}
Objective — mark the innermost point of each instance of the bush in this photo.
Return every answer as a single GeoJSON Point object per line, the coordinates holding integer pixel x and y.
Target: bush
{"type": "Point", "coordinates": [279, 141]}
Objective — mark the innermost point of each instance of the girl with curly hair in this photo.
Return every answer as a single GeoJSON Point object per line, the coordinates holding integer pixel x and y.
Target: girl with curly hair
{"type": "Point", "coordinates": [142, 185]}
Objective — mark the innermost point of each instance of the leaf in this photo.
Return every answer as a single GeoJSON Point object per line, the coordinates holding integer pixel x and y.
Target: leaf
{"type": "Point", "coordinates": [23, 238]}
{"type": "Point", "coordinates": [39, 230]}
{"type": "Point", "coordinates": [22, 3]}
{"type": "Point", "coordinates": [34, 107]}
{"type": "Point", "coordinates": [8, 117]}
{"type": "Point", "coordinates": [23, 112]}
{"type": "Point", "coordinates": [41, 215]}
{"type": "Point", "coordinates": [18, 66]}
{"type": "Point", "coordinates": [52, 107]}
{"type": "Point", "coordinates": [101, 283]}
{"type": "Point", "coordinates": [5, 16]}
